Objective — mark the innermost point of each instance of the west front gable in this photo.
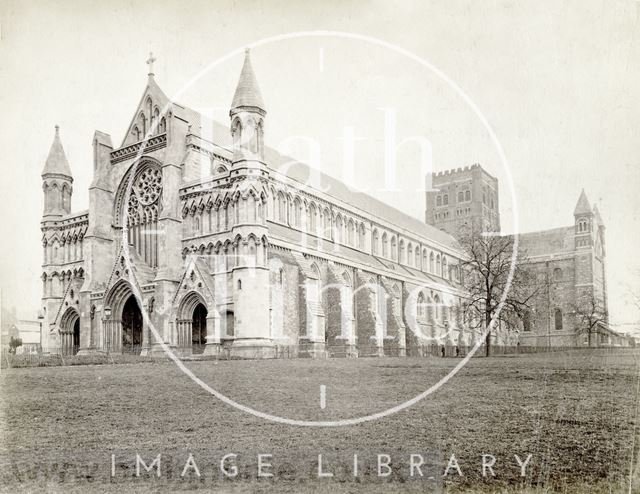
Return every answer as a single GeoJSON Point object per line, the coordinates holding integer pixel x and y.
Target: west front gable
{"type": "Point", "coordinates": [151, 115]}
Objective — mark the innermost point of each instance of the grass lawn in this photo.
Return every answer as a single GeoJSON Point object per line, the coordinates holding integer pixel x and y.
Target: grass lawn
{"type": "Point", "coordinates": [575, 413]}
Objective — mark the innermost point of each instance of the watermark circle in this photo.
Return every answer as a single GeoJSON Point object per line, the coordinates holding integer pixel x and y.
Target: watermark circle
{"type": "Point", "coordinates": [354, 420]}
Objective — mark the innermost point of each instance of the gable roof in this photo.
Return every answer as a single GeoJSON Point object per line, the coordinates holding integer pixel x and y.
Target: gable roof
{"type": "Point", "coordinates": [556, 241]}
{"type": "Point", "coordinates": [248, 94]}
{"type": "Point", "coordinates": [319, 182]}
{"type": "Point", "coordinates": [153, 91]}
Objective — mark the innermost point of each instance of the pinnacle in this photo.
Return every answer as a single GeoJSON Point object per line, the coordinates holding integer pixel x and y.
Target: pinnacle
{"type": "Point", "coordinates": [247, 91]}
{"type": "Point", "coordinates": [57, 160]}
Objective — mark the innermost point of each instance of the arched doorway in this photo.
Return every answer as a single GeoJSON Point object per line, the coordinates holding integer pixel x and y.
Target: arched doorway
{"type": "Point", "coordinates": [199, 329]}
{"type": "Point", "coordinates": [131, 326]}
{"type": "Point", "coordinates": [70, 332]}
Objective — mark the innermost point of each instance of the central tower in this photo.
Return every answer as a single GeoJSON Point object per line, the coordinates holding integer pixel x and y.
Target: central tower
{"type": "Point", "coordinates": [461, 198]}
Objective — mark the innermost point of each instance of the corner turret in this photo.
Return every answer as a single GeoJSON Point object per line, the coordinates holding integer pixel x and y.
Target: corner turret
{"type": "Point", "coordinates": [247, 123]}
{"type": "Point", "coordinates": [56, 181]}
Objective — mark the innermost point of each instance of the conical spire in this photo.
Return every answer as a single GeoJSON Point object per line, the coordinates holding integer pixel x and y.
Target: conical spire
{"type": "Point", "coordinates": [57, 161]}
{"type": "Point", "coordinates": [247, 91]}
{"type": "Point", "coordinates": [583, 206]}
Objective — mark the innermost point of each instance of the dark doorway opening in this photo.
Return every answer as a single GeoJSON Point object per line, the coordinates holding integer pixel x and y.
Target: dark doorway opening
{"type": "Point", "coordinates": [199, 329]}
{"type": "Point", "coordinates": [227, 325]}
{"type": "Point", "coordinates": [76, 336]}
{"type": "Point", "coordinates": [131, 326]}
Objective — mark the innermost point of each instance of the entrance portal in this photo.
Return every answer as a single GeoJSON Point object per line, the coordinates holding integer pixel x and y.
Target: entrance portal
{"type": "Point", "coordinates": [131, 327]}
{"type": "Point", "coordinates": [199, 329]}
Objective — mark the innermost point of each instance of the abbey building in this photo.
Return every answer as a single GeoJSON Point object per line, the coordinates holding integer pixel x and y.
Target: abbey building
{"type": "Point", "coordinates": [569, 261]}
{"type": "Point", "coordinates": [205, 245]}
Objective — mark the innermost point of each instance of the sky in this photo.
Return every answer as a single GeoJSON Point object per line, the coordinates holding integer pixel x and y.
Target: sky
{"type": "Point", "coordinates": [557, 82]}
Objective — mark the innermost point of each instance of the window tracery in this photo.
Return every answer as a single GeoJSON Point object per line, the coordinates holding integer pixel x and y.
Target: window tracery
{"type": "Point", "coordinates": [143, 207]}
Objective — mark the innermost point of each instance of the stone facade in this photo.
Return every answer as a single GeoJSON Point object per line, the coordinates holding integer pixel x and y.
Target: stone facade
{"type": "Point", "coordinates": [570, 261]}
{"type": "Point", "coordinates": [204, 244]}
{"type": "Point", "coordinates": [458, 197]}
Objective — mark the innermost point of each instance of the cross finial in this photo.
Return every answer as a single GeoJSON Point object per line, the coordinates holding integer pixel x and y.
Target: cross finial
{"type": "Point", "coordinates": [150, 61]}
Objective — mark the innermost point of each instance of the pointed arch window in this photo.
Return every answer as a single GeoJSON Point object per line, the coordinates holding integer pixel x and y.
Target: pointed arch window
{"type": "Point", "coordinates": [282, 208]}
{"type": "Point", "coordinates": [143, 124]}
{"type": "Point", "coordinates": [526, 321]}
{"type": "Point", "coordinates": [351, 233]}
{"type": "Point", "coordinates": [420, 305]}
{"type": "Point", "coordinates": [297, 212]}
{"type": "Point", "coordinates": [374, 242]}
{"type": "Point", "coordinates": [558, 319]}
{"type": "Point", "coordinates": [142, 210]}
{"type": "Point", "coordinates": [156, 120]}
{"type": "Point", "coordinates": [326, 223]}
{"type": "Point", "coordinates": [312, 225]}
{"type": "Point", "coordinates": [338, 231]}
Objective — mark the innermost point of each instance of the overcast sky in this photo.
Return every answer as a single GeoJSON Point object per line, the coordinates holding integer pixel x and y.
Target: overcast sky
{"type": "Point", "coordinates": [557, 81]}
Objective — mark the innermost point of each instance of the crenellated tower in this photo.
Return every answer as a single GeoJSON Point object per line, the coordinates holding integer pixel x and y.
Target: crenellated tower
{"type": "Point", "coordinates": [459, 198]}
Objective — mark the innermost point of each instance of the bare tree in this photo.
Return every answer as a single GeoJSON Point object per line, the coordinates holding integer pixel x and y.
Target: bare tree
{"type": "Point", "coordinates": [590, 313]}
{"type": "Point", "coordinates": [634, 292]}
{"type": "Point", "coordinates": [491, 275]}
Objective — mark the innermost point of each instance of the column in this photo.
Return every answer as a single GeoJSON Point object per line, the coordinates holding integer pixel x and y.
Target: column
{"type": "Point", "coordinates": [212, 346]}
{"type": "Point", "coordinates": [146, 337]}
{"type": "Point", "coordinates": [312, 344]}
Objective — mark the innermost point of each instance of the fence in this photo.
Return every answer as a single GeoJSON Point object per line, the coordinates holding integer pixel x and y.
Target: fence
{"type": "Point", "coordinates": [53, 357]}
{"type": "Point", "coordinates": [131, 354]}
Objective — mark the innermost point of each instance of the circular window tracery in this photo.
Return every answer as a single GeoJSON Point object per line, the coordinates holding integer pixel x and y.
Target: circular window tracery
{"type": "Point", "coordinates": [148, 186]}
